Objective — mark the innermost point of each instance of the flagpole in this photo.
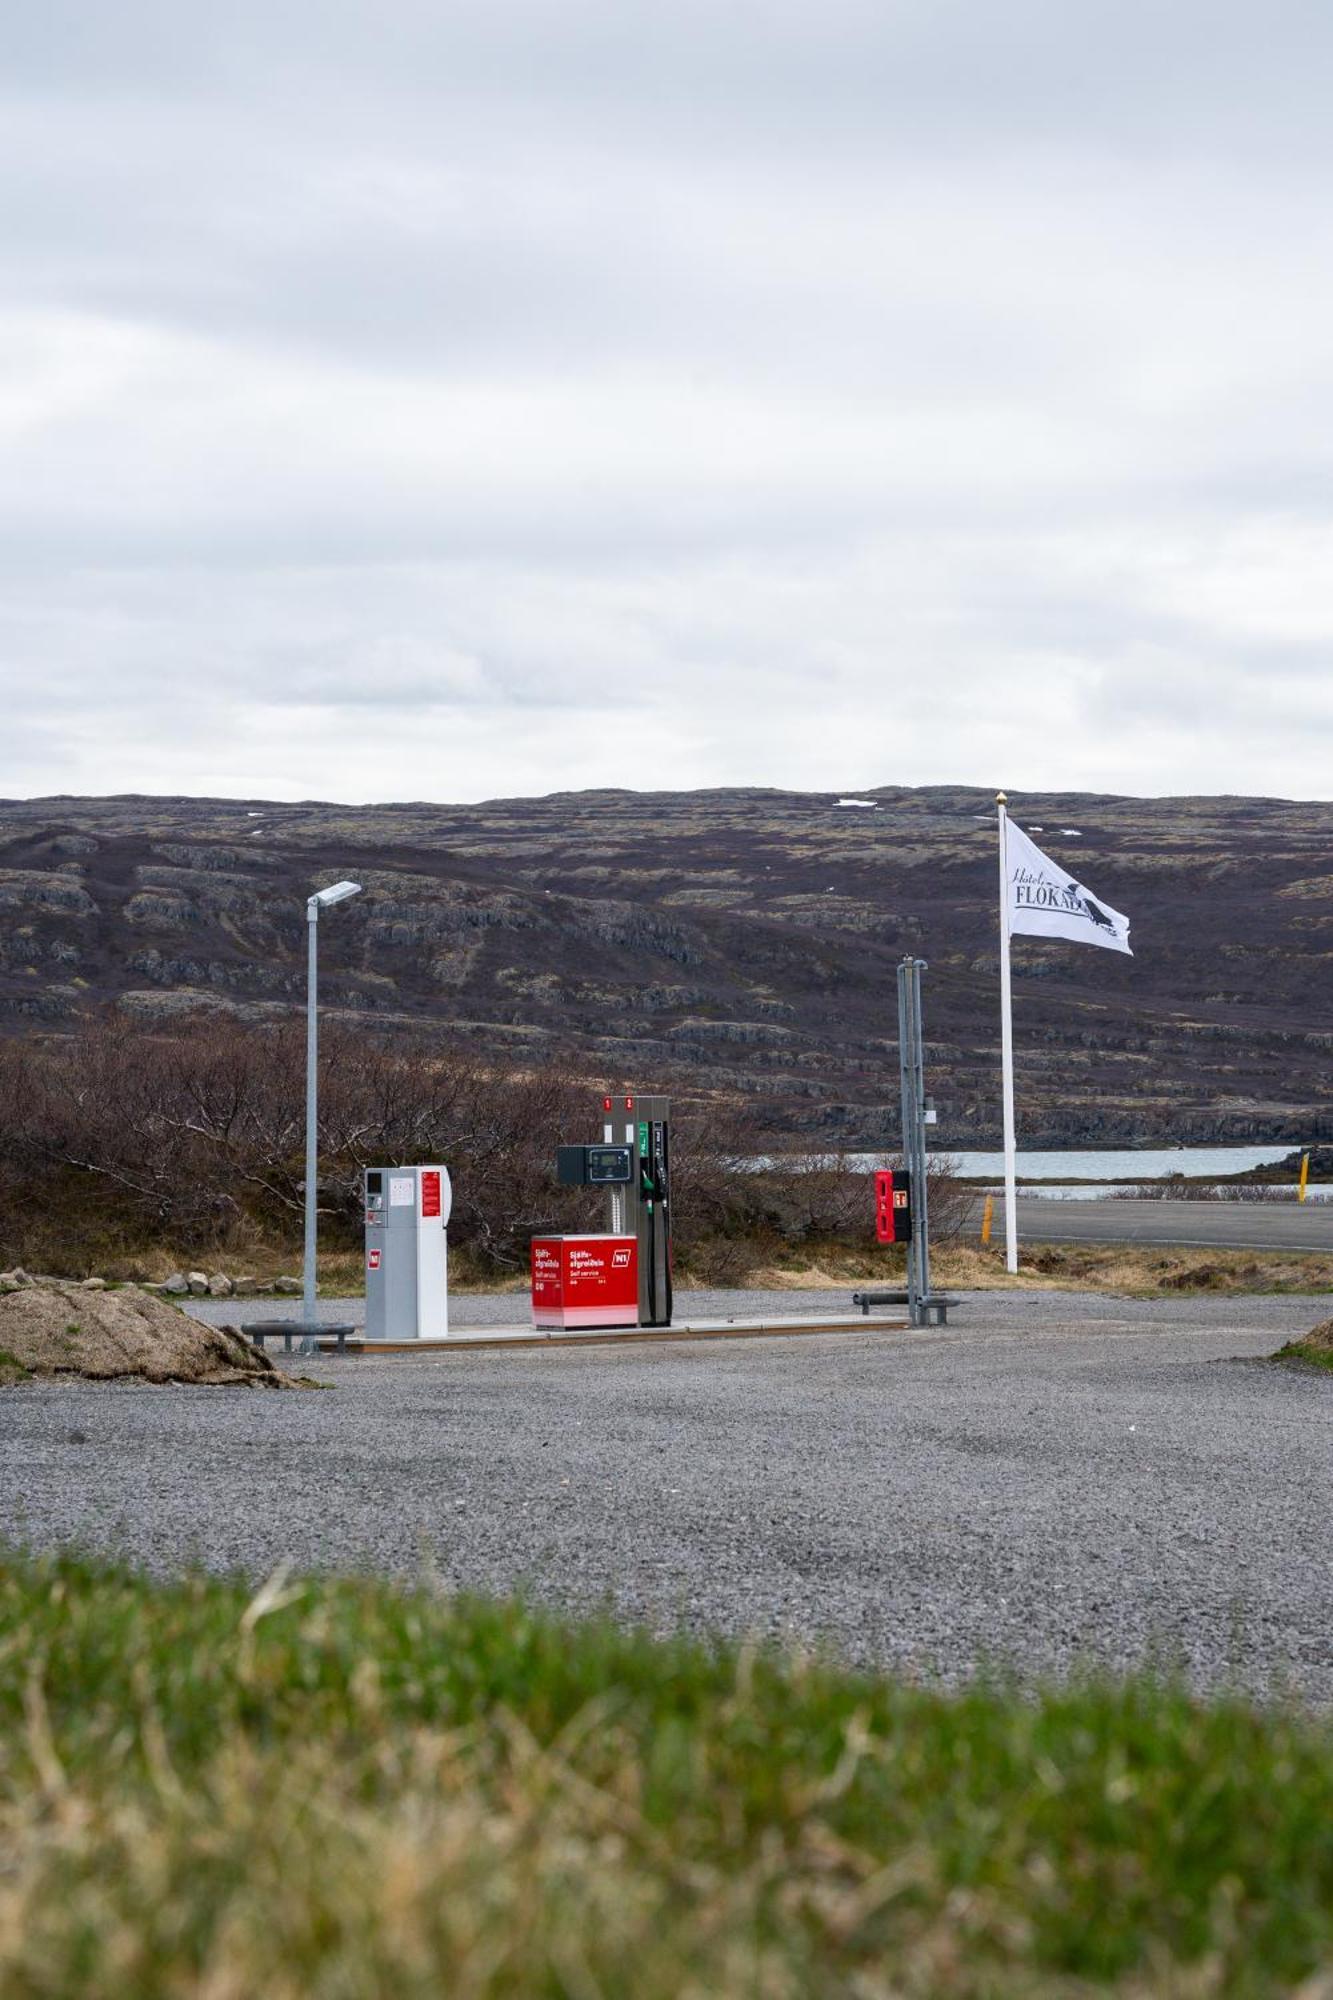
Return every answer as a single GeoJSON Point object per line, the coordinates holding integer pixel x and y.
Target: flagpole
{"type": "Point", "coordinates": [1007, 1051]}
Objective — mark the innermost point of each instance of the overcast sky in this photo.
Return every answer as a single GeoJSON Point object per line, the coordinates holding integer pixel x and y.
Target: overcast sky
{"type": "Point", "coordinates": [440, 400]}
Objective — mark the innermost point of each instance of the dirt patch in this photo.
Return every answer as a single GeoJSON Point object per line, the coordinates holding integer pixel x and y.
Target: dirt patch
{"type": "Point", "coordinates": [56, 1329]}
{"type": "Point", "coordinates": [1199, 1278]}
{"type": "Point", "coordinates": [1320, 1338]}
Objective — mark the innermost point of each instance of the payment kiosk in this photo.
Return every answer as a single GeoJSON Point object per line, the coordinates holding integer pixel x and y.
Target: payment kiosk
{"type": "Point", "coordinates": [407, 1271]}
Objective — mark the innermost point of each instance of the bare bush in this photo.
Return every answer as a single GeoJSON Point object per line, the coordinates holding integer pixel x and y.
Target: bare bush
{"type": "Point", "coordinates": [198, 1136]}
{"type": "Point", "coordinates": [123, 1135]}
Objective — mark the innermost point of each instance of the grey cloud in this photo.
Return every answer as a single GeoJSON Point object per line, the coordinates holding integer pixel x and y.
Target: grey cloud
{"type": "Point", "coordinates": [506, 371]}
{"type": "Point", "coordinates": [1225, 72]}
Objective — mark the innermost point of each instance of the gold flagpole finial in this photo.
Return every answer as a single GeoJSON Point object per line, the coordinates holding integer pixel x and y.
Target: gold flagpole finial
{"type": "Point", "coordinates": [1001, 799]}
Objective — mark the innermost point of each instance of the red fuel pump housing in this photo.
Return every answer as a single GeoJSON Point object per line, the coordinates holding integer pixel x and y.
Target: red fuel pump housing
{"type": "Point", "coordinates": [580, 1281]}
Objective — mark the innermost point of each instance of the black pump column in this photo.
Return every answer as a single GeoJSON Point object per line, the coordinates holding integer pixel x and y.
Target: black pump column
{"type": "Point", "coordinates": [642, 1207]}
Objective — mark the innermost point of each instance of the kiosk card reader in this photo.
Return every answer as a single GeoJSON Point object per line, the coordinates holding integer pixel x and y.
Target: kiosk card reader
{"type": "Point", "coordinates": [407, 1273]}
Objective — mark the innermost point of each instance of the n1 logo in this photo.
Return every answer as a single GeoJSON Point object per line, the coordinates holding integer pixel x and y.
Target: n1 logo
{"type": "Point", "coordinates": [893, 1207]}
{"type": "Point", "coordinates": [372, 1260]}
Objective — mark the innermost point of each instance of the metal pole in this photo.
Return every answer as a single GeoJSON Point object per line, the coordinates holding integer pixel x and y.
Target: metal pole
{"type": "Point", "coordinates": [1007, 1054]}
{"type": "Point", "coordinates": [912, 1061]}
{"type": "Point", "coordinates": [905, 1073]}
{"type": "Point", "coordinates": [920, 1195]}
{"type": "Point", "coordinates": [311, 1109]}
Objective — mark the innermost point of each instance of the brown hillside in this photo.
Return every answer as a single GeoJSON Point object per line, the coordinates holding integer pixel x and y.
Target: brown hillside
{"type": "Point", "coordinates": [743, 939]}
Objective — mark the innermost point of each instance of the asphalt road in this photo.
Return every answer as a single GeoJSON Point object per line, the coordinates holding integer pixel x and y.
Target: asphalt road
{"type": "Point", "coordinates": [1057, 1479]}
{"type": "Point", "coordinates": [1212, 1225]}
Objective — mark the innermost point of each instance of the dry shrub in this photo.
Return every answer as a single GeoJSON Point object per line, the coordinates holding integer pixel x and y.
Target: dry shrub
{"type": "Point", "coordinates": [1055, 1260]}
{"type": "Point", "coordinates": [724, 1263]}
{"type": "Point", "coordinates": [123, 1135]}
{"type": "Point", "coordinates": [119, 1135]}
{"type": "Point", "coordinates": [1194, 1278]}
{"type": "Point", "coordinates": [726, 1186]}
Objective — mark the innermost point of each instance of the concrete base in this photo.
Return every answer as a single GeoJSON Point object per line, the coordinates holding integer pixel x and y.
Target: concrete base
{"type": "Point", "coordinates": [697, 1329]}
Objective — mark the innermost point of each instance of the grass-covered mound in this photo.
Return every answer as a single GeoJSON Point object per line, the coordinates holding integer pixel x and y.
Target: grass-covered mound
{"type": "Point", "coordinates": [333, 1788]}
{"type": "Point", "coordinates": [50, 1328]}
{"type": "Point", "coordinates": [1315, 1348]}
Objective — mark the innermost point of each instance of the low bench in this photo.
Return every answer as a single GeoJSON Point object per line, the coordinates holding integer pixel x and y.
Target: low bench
{"type": "Point", "coordinates": [309, 1337]}
{"type": "Point", "coordinates": [936, 1304]}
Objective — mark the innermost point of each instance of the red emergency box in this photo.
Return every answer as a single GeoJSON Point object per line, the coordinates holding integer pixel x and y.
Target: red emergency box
{"type": "Point", "coordinates": [585, 1281]}
{"type": "Point", "coordinates": [893, 1207]}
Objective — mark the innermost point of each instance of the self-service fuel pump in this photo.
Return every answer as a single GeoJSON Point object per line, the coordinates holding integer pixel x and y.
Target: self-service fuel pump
{"type": "Point", "coordinates": [624, 1277]}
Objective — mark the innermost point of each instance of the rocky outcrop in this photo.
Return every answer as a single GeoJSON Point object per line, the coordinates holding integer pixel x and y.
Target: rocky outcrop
{"type": "Point", "coordinates": [21, 889]}
{"type": "Point", "coordinates": [739, 943]}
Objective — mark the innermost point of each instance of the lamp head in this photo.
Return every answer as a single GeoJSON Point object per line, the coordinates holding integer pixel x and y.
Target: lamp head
{"type": "Point", "coordinates": [337, 892]}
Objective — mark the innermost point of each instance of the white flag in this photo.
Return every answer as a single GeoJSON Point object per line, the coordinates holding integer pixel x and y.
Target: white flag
{"type": "Point", "coordinates": [1045, 902]}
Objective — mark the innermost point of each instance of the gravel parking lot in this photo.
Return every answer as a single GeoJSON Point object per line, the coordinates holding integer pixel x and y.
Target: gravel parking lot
{"type": "Point", "coordinates": [1059, 1478]}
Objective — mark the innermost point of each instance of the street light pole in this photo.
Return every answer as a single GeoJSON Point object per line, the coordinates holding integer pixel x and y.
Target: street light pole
{"type": "Point", "coordinates": [321, 900]}
{"type": "Point", "coordinates": [911, 1056]}
{"type": "Point", "coordinates": [311, 1104]}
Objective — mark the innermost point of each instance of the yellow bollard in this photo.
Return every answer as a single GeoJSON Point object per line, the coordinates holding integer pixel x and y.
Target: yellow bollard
{"type": "Point", "coordinates": [1305, 1175]}
{"type": "Point", "coordinates": [988, 1216]}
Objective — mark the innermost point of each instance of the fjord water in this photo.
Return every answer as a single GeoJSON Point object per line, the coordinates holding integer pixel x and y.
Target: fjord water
{"type": "Point", "coordinates": [1126, 1164]}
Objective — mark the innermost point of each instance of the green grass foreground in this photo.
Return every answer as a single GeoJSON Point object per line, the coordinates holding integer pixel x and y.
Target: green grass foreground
{"type": "Point", "coordinates": [340, 1789]}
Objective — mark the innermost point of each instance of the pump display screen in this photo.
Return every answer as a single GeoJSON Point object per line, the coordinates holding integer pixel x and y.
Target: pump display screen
{"type": "Point", "coordinates": [594, 1166]}
{"type": "Point", "coordinates": [374, 1181]}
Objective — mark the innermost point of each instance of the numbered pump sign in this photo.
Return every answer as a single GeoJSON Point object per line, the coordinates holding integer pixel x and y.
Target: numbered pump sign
{"type": "Point", "coordinates": [893, 1207]}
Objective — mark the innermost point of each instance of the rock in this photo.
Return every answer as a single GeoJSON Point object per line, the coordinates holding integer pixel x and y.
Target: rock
{"type": "Point", "coordinates": [93, 1285]}
{"type": "Point", "coordinates": [1321, 1162]}
{"type": "Point", "coordinates": [176, 1284]}
{"type": "Point", "coordinates": [9, 1283]}
{"type": "Point", "coordinates": [244, 1288]}
{"type": "Point", "coordinates": [20, 1276]}
{"type": "Point", "coordinates": [219, 1286]}
{"type": "Point", "coordinates": [198, 1283]}
{"type": "Point", "coordinates": [146, 1286]}
{"type": "Point", "coordinates": [289, 1287]}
